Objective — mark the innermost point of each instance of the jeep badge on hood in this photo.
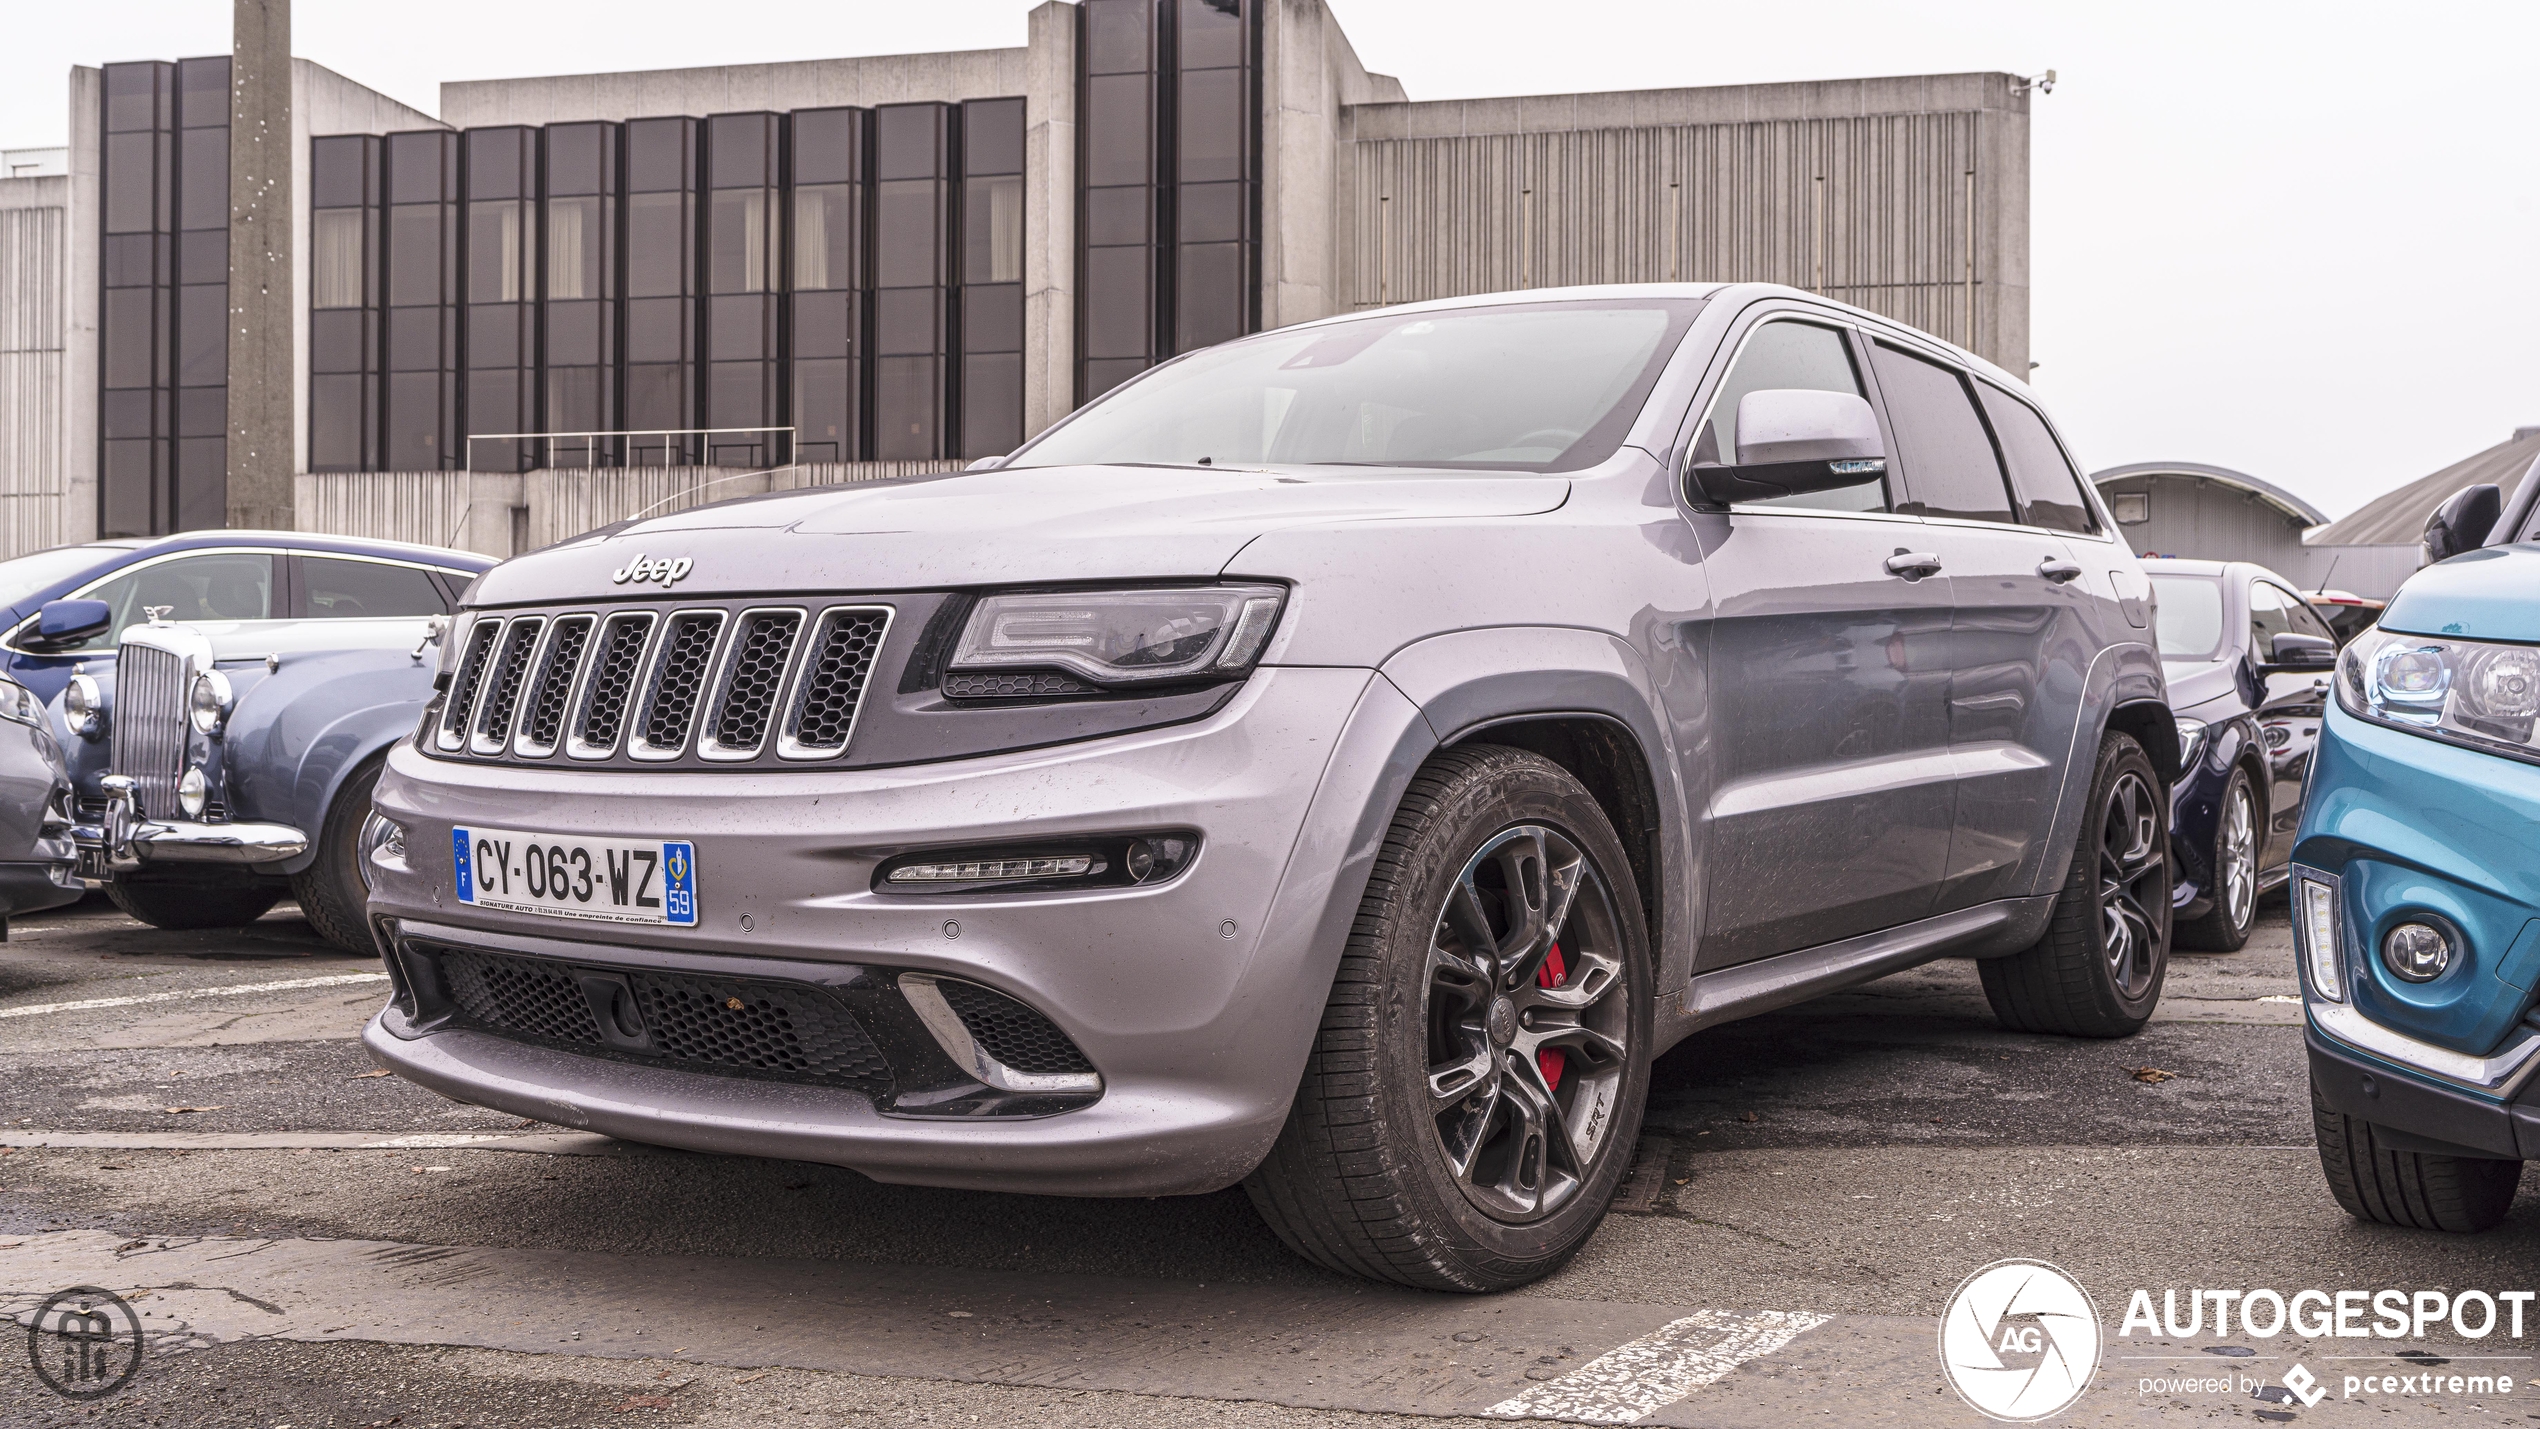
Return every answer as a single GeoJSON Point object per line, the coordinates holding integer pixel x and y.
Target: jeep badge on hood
{"type": "Point", "coordinates": [645, 568]}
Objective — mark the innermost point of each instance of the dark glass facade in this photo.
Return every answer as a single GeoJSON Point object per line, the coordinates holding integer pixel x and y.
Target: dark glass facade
{"type": "Point", "coordinates": [1169, 182]}
{"type": "Point", "coordinates": [163, 348]}
{"type": "Point", "coordinates": [856, 274]}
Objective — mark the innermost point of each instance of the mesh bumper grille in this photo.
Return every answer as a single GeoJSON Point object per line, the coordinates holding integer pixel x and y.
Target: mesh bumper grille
{"type": "Point", "coordinates": [1011, 1032]}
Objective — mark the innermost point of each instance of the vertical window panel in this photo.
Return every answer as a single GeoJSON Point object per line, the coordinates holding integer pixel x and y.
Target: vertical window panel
{"type": "Point", "coordinates": [338, 238]}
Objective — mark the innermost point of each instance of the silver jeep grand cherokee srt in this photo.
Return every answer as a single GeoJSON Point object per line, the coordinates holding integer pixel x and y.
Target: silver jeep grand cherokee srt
{"type": "Point", "coordinates": [1337, 761]}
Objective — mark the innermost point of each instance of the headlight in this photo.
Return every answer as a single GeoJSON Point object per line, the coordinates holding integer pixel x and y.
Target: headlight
{"type": "Point", "coordinates": [1117, 638]}
{"type": "Point", "coordinates": [83, 697]}
{"type": "Point", "coordinates": [193, 793]}
{"type": "Point", "coordinates": [2470, 692]}
{"type": "Point", "coordinates": [211, 700]}
{"type": "Point", "coordinates": [18, 703]}
{"type": "Point", "coordinates": [2191, 735]}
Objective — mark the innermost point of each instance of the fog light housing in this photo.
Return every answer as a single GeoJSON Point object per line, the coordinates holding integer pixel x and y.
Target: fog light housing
{"type": "Point", "coordinates": [1152, 860]}
{"type": "Point", "coordinates": [2418, 950]}
{"type": "Point", "coordinates": [1092, 861]}
{"type": "Point", "coordinates": [193, 792]}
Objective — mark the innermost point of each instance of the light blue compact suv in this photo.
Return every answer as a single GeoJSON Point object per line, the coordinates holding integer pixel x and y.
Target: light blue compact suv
{"type": "Point", "coordinates": [2416, 884]}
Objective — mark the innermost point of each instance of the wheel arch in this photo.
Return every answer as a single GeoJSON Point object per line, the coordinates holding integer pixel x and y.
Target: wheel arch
{"type": "Point", "coordinates": [1601, 752]}
{"type": "Point", "coordinates": [2154, 727]}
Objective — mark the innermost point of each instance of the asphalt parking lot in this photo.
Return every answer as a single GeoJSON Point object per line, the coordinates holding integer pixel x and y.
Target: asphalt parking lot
{"type": "Point", "coordinates": [191, 1123]}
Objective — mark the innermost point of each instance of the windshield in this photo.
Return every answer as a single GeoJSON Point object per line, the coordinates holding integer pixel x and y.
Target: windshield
{"type": "Point", "coordinates": [21, 580]}
{"type": "Point", "coordinates": [1523, 387]}
{"type": "Point", "coordinates": [2189, 619]}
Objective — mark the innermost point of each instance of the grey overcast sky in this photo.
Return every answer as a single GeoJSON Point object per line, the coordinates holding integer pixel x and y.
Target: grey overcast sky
{"type": "Point", "coordinates": [2302, 240]}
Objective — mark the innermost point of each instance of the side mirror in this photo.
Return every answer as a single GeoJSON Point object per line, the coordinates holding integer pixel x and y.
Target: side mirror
{"type": "Point", "coordinates": [68, 624]}
{"type": "Point", "coordinates": [2290, 650]}
{"type": "Point", "coordinates": [2462, 523]}
{"type": "Point", "coordinates": [1791, 440]}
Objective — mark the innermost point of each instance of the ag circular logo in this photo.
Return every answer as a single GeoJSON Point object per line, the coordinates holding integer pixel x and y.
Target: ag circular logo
{"type": "Point", "coordinates": [2019, 1341]}
{"type": "Point", "coordinates": [85, 1343]}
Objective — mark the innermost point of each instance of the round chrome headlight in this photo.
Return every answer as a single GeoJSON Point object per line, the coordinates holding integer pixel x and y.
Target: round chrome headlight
{"type": "Point", "coordinates": [193, 792]}
{"type": "Point", "coordinates": [82, 696]}
{"type": "Point", "coordinates": [2417, 952]}
{"type": "Point", "coordinates": [211, 699]}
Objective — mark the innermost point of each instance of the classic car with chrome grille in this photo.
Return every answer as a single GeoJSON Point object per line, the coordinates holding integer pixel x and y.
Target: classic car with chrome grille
{"type": "Point", "coordinates": [242, 759]}
{"type": "Point", "coordinates": [1336, 761]}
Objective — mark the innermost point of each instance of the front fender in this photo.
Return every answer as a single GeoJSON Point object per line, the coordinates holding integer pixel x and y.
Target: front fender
{"type": "Point", "coordinates": [1466, 681]}
{"type": "Point", "coordinates": [298, 733]}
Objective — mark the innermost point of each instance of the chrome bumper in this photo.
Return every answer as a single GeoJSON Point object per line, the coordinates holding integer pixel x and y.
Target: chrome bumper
{"type": "Point", "coordinates": [124, 840]}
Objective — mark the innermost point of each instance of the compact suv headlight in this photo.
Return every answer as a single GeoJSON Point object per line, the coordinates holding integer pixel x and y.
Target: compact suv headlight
{"type": "Point", "coordinates": [18, 703]}
{"type": "Point", "coordinates": [2470, 692]}
{"type": "Point", "coordinates": [1120, 638]}
{"type": "Point", "coordinates": [211, 699]}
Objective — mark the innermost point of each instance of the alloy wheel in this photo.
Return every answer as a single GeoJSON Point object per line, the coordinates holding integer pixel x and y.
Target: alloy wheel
{"type": "Point", "coordinates": [2238, 862]}
{"type": "Point", "coordinates": [1528, 1019]}
{"type": "Point", "coordinates": [2133, 886]}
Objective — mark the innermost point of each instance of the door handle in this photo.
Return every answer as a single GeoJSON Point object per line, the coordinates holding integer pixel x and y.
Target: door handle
{"type": "Point", "coordinates": [2059, 570]}
{"type": "Point", "coordinates": [1913, 565]}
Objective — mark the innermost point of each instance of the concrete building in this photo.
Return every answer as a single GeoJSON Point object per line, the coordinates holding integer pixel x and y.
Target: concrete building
{"type": "Point", "coordinates": [563, 300]}
{"type": "Point", "coordinates": [2217, 514]}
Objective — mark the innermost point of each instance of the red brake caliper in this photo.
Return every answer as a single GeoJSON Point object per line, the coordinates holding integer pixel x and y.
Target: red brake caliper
{"type": "Point", "coordinates": [1550, 1059]}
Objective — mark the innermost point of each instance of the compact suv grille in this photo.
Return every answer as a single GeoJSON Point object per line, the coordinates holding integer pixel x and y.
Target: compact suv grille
{"type": "Point", "coordinates": [686, 684]}
{"type": "Point", "coordinates": [750, 1027]}
{"type": "Point", "coordinates": [149, 725]}
{"type": "Point", "coordinates": [1011, 1032]}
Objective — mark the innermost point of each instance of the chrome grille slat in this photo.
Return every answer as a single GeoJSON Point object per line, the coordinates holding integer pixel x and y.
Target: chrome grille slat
{"type": "Point", "coordinates": [829, 693]}
{"type": "Point", "coordinates": [542, 723]}
{"type": "Point", "coordinates": [493, 723]}
{"type": "Point", "coordinates": [149, 725]}
{"type": "Point", "coordinates": [678, 677]}
{"type": "Point", "coordinates": [754, 665]}
{"type": "Point", "coordinates": [455, 716]}
{"type": "Point", "coordinates": [612, 684]}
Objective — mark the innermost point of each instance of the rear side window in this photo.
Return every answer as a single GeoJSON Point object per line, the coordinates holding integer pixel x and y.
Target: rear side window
{"type": "Point", "coordinates": [1787, 355]}
{"type": "Point", "coordinates": [1949, 462]}
{"type": "Point", "coordinates": [351, 589]}
{"type": "Point", "coordinates": [231, 585]}
{"type": "Point", "coordinates": [2048, 488]}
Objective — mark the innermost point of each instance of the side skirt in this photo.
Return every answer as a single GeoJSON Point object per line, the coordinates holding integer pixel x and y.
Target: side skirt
{"type": "Point", "coordinates": [1988, 930]}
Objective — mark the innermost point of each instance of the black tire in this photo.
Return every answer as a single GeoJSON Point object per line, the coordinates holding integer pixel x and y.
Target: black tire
{"type": "Point", "coordinates": [1363, 1179]}
{"type": "Point", "coordinates": [330, 889]}
{"type": "Point", "coordinates": [2417, 1189]}
{"type": "Point", "coordinates": [2225, 927]}
{"type": "Point", "coordinates": [183, 905]}
{"type": "Point", "coordinates": [2098, 970]}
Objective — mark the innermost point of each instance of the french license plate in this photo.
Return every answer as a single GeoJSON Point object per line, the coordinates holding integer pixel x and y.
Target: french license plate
{"type": "Point", "coordinates": [561, 876]}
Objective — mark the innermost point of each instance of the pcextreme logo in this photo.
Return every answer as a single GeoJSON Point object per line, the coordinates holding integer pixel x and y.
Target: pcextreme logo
{"type": "Point", "coordinates": [2020, 1341]}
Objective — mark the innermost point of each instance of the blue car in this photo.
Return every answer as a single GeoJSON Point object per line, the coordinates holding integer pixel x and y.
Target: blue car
{"type": "Point", "coordinates": [2416, 885]}
{"type": "Point", "coordinates": [63, 609]}
{"type": "Point", "coordinates": [2246, 661]}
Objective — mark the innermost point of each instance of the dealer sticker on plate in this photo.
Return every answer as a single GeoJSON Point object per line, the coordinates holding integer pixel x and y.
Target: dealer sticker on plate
{"type": "Point", "coordinates": [564, 876]}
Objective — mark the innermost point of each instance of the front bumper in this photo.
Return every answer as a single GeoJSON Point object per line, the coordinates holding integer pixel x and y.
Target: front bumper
{"type": "Point", "coordinates": [123, 841]}
{"type": "Point", "coordinates": [1194, 999]}
{"type": "Point", "coordinates": [2400, 827]}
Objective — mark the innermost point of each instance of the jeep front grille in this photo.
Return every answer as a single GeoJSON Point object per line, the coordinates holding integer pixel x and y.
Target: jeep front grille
{"type": "Point", "coordinates": [149, 725]}
{"type": "Point", "coordinates": [672, 685]}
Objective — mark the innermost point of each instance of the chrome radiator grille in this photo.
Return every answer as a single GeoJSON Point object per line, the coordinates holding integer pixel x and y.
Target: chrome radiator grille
{"type": "Point", "coordinates": [149, 725]}
{"type": "Point", "coordinates": [728, 684]}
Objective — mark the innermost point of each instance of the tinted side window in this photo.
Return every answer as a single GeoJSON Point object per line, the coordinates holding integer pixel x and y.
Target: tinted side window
{"type": "Point", "coordinates": [1780, 355]}
{"type": "Point", "coordinates": [373, 588]}
{"type": "Point", "coordinates": [1948, 458]}
{"type": "Point", "coordinates": [2268, 617]}
{"type": "Point", "coordinates": [2048, 488]}
{"type": "Point", "coordinates": [2299, 617]}
{"type": "Point", "coordinates": [237, 586]}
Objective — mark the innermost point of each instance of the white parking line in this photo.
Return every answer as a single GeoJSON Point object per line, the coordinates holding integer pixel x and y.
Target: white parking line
{"type": "Point", "coordinates": [1637, 1379]}
{"type": "Point", "coordinates": [188, 994]}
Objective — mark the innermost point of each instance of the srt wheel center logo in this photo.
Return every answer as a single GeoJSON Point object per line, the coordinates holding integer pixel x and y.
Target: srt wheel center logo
{"type": "Point", "coordinates": [85, 1343]}
{"type": "Point", "coordinates": [2019, 1341]}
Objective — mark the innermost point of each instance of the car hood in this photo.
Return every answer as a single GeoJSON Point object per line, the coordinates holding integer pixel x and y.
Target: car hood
{"type": "Point", "coordinates": [2195, 682]}
{"type": "Point", "coordinates": [989, 527]}
{"type": "Point", "coordinates": [2478, 595]}
{"type": "Point", "coordinates": [257, 639]}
